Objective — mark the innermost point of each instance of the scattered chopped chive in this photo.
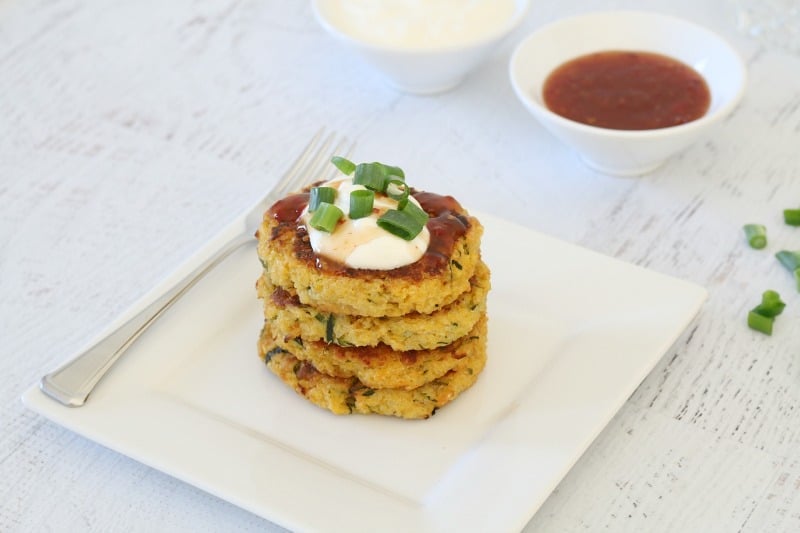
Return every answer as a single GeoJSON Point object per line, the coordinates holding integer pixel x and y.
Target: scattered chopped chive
{"type": "Point", "coordinates": [395, 172]}
{"type": "Point", "coordinates": [372, 176]}
{"type": "Point", "coordinates": [771, 305]}
{"type": "Point", "coordinates": [319, 195]}
{"type": "Point", "coordinates": [791, 217]}
{"type": "Point", "coordinates": [397, 189]}
{"type": "Point", "coordinates": [413, 210]}
{"type": "Point", "coordinates": [761, 317]}
{"type": "Point", "coordinates": [760, 323]}
{"type": "Point", "coordinates": [329, 338]}
{"type": "Point", "coordinates": [272, 353]}
{"type": "Point", "coordinates": [401, 223]}
{"type": "Point", "coordinates": [344, 165]}
{"type": "Point", "coordinates": [407, 221]}
{"type": "Point", "coordinates": [791, 260]}
{"type": "Point", "coordinates": [361, 202]}
{"type": "Point", "coordinates": [376, 175]}
{"type": "Point", "coordinates": [326, 217]}
{"type": "Point", "coordinates": [756, 235]}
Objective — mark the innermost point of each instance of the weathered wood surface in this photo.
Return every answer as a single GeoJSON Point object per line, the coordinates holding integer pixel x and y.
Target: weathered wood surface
{"type": "Point", "coordinates": [131, 132]}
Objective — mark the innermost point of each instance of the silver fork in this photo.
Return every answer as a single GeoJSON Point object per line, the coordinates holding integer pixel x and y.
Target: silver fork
{"type": "Point", "coordinates": [72, 383]}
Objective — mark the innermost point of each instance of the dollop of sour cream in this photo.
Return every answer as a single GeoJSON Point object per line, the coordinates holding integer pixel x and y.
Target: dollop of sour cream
{"type": "Point", "coordinates": [361, 243]}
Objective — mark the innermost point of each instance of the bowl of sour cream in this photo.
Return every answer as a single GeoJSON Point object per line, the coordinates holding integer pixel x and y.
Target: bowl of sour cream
{"type": "Point", "coordinates": [421, 46]}
{"type": "Point", "coordinates": [627, 89]}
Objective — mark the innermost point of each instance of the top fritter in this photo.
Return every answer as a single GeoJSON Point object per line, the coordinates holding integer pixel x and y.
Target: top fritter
{"type": "Point", "coordinates": [401, 251]}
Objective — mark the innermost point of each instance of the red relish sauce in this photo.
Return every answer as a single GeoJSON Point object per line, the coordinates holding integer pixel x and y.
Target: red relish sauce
{"type": "Point", "coordinates": [290, 208]}
{"type": "Point", "coordinates": [447, 224]}
{"type": "Point", "coordinates": [626, 90]}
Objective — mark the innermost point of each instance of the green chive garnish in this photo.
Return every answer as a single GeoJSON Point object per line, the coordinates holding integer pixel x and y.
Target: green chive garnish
{"type": "Point", "coordinates": [373, 176]}
{"type": "Point", "coordinates": [771, 305]}
{"type": "Point", "coordinates": [400, 223]}
{"type": "Point", "coordinates": [397, 189]}
{"type": "Point", "coordinates": [319, 195]}
{"type": "Point", "coordinates": [329, 325]}
{"type": "Point", "coordinates": [791, 217]}
{"type": "Point", "coordinates": [326, 217]}
{"type": "Point", "coordinates": [407, 221]}
{"type": "Point", "coordinates": [761, 317]}
{"type": "Point", "coordinates": [361, 203]}
{"type": "Point", "coordinates": [760, 323]}
{"type": "Point", "coordinates": [791, 260]}
{"type": "Point", "coordinates": [756, 235]}
{"type": "Point", "coordinates": [376, 176]}
{"type": "Point", "coordinates": [395, 172]}
{"type": "Point", "coordinates": [416, 212]}
{"type": "Point", "coordinates": [344, 165]}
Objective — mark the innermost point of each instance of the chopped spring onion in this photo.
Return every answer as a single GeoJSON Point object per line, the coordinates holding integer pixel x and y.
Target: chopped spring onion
{"type": "Point", "coordinates": [319, 195]}
{"type": "Point", "coordinates": [760, 323]}
{"type": "Point", "coordinates": [791, 260]}
{"type": "Point", "coordinates": [416, 212]}
{"type": "Point", "coordinates": [756, 235]}
{"type": "Point", "coordinates": [376, 176]}
{"type": "Point", "coordinates": [326, 217]}
{"type": "Point", "coordinates": [344, 165]}
{"type": "Point", "coordinates": [329, 328]}
{"type": "Point", "coordinates": [791, 217]}
{"type": "Point", "coordinates": [373, 176]}
{"type": "Point", "coordinates": [395, 172]}
{"type": "Point", "coordinates": [406, 222]}
{"type": "Point", "coordinates": [771, 305]}
{"type": "Point", "coordinates": [761, 317]}
{"type": "Point", "coordinates": [397, 189]}
{"type": "Point", "coordinates": [361, 202]}
{"type": "Point", "coordinates": [400, 223]}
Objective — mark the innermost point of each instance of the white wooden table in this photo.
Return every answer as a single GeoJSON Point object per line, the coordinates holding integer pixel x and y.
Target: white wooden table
{"type": "Point", "coordinates": [131, 132]}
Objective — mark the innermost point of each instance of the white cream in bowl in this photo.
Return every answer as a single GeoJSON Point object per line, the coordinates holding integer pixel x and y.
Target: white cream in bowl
{"type": "Point", "coordinates": [421, 46]}
{"type": "Point", "coordinates": [419, 24]}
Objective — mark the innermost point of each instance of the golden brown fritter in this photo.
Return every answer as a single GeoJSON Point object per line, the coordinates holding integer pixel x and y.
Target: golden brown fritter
{"type": "Point", "coordinates": [378, 366]}
{"type": "Point", "coordinates": [425, 286]}
{"type": "Point", "coordinates": [349, 395]}
{"type": "Point", "coordinates": [414, 331]}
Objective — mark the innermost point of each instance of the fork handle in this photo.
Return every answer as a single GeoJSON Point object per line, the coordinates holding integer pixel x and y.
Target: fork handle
{"type": "Point", "coordinates": [72, 383]}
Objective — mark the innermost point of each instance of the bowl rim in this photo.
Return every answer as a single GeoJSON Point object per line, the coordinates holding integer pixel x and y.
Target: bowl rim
{"type": "Point", "coordinates": [522, 9]}
{"type": "Point", "coordinates": [707, 119]}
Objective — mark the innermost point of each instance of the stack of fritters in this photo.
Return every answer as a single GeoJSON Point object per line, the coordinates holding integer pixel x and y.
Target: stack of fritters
{"type": "Point", "coordinates": [399, 342]}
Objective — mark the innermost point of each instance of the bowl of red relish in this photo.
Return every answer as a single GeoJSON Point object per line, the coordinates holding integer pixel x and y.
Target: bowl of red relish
{"type": "Point", "coordinates": [627, 89]}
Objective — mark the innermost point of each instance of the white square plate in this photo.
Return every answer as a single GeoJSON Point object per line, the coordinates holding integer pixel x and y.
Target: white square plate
{"type": "Point", "coordinates": [571, 334]}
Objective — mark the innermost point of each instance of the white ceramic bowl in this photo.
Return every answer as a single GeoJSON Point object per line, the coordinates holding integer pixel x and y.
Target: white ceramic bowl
{"type": "Point", "coordinates": [626, 152]}
{"type": "Point", "coordinates": [420, 67]}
